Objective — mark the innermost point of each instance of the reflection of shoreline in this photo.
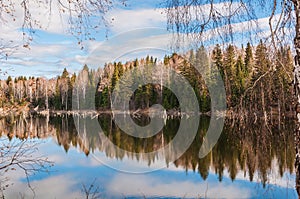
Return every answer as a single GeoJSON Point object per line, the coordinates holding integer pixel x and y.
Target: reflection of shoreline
{"type": "Point", "coordinates": [15, 110]}
{"type": "Point", "coordinates": [143, 112]}
{"type": "Point", "coordinates": [248, 148]}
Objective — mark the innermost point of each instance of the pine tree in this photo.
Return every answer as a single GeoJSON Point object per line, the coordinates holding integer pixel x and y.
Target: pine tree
{"type": "Point", "coordinates": [136, 63]}
{"type": "Point", "coordinates": [65, 73]}
{"type": "Point", "coordinates": [262, 62]}
{"type": "Point", "coordinates": [202, 62]}
{"type": "Point", "coordinates": [120, 69]}
{"type": "Point", "coordinates": [115, 77]}
{"type": "Point", "coordinates": [229, 64]}
{"type": "Point", "coordinates": [10, 91]}
{"type": "Point", "coordinates": [248, 60]}
{"type": "Point", "coordinates": [9, 79]}
{"type": "Point", "coordinates": [239, 81]}
{"type": "Point", "coordinates": [85, 68]}
{"type": "Point", "coordinates": [262, 67]}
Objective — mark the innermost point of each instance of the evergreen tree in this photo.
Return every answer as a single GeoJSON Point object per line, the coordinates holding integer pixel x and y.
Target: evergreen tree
{"type": "Point", "coordinates": [115, 77]}
{"type": "Point", "coordinates": [239, 81]}
{"type": "Point", "coordinates": [65, 73]}
{"type": "Point", "coordinates": [217, 57]}
{"type": "Point", "coordinates": [262, 62]}
{"type": "Point", "coordinates": [248, 60]}
{"type": "Point", "coordinates": [229, 64]}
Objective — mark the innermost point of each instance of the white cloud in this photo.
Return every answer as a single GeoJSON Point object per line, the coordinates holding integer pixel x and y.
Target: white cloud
{"type": "Point", "coordinates": [127, 45]}
{"type": "Point", "coordinates": [61, 186]}
{"type": "Point", "coordinates": [139, 41]}
{"type": "Point", "coordinates": [149, 186]}
{"type": "Point", "coordinates": [42, 57]}
{"type": "Point", "coordinates": [43, 16]}
{"type": "Point", "coordinates": [123, 20]}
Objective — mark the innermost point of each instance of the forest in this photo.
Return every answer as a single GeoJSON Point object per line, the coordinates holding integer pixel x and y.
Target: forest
{"type": "Point", "coordinates": [255, 78]}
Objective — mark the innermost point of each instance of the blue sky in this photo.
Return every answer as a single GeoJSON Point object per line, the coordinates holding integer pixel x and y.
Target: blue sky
{"type": "Point", "coordinates": [53, 48]}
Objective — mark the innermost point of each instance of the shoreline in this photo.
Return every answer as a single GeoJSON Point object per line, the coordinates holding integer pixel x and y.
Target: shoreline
{"type": "Point", "coordinates": [25, 110]}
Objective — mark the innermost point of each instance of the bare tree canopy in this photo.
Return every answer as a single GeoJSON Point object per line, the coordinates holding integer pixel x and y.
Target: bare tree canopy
{"type": "Point", "coordinates": [20, 154]}
{"type": "Point", "coordinates": [81, 18]}
{"type": "Point", "coordinates": [228, 21]}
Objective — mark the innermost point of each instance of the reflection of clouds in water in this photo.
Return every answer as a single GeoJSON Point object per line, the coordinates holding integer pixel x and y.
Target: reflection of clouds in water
{"type": "Point", "coordinates": [62, 186]}
{"type": "Point", "coordinates": [168, 182]}
{"type": "Point", "coordinates": [177, 186]}
{"type": "Point", "coordinates": [142, 185]}
{"type": "Point", "coordinates": [274, 178]}
{"type": "Point", "coordinates": [128, 164]}
{"type": "Point", "coordinates": [56, 153]}
{"type": "Point", "coordinates": [171, 182]}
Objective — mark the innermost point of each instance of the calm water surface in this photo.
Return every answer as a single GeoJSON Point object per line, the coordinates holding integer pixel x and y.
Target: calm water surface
{"type": "Point", "coordinates": [249, 161]}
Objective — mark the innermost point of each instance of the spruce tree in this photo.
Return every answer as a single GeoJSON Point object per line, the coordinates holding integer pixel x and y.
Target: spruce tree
{"type": "Point", "coordinates": [217, 57]}
{"type": "Point", "coordinates": [229, 64]}
{"type": "Point", "coordinates": [248, 60]}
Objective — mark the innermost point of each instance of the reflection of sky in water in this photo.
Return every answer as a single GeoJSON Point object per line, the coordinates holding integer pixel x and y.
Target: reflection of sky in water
{"type": "Point", "coordinates": [73, 169]}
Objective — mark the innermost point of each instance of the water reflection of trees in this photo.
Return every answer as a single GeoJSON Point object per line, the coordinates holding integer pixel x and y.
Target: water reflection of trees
{"type": "Point", "coordinates": [19, 154]}
{"type": "Point", "coordinates": [250, 148]}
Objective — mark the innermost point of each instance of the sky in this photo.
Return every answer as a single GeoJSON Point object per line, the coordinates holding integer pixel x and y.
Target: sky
{"type": "Point", "coordinates": [136, 30]}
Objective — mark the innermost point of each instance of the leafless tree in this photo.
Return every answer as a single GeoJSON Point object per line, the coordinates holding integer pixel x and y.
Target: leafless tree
{"type": "Point", "coordinates": [92, 191]}
{"type": "Point", "coordinates": [83, 17]}
{"type": "Point", "coordinates": [21, 154]}
{"type": "Point", "coordinates": [206, 19]}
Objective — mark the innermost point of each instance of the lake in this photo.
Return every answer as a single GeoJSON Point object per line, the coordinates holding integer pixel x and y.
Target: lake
{"type": "Point", "coordinates": [250, 160]}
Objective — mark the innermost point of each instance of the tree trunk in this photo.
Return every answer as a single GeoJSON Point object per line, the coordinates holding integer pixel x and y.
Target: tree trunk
{"type": "Point", "coordinates": [297, 92]}
{"type": "Point", "coordinates": [46, 99]}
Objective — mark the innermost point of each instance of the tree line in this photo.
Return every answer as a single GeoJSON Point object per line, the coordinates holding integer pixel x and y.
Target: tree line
{"type": "Point", "coordinates": [255, 78]}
